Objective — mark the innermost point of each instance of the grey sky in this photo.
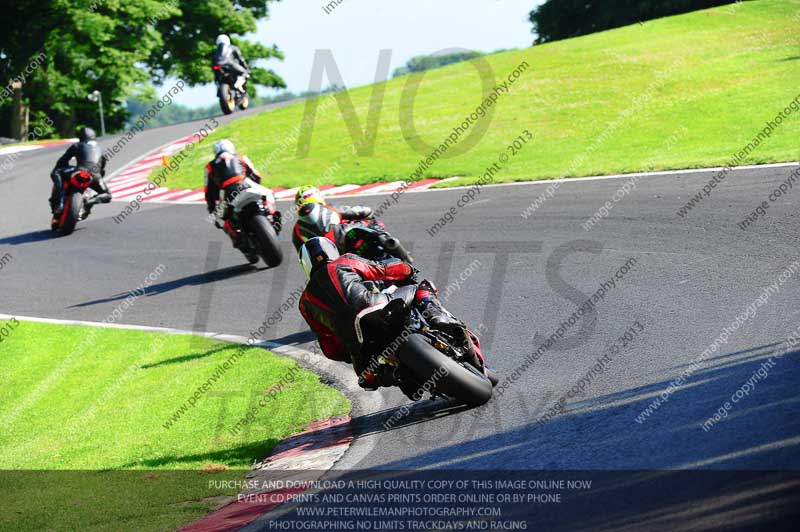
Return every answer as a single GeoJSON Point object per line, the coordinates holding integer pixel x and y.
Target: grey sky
{"type": "Point", "coordinates": [357, 29]}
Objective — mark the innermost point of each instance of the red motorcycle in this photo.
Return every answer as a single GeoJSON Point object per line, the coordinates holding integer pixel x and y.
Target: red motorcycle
{"type": "Point", "coordinates": [75, 187]}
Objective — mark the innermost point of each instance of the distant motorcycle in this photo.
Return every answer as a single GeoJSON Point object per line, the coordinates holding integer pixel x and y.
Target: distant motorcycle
{"type": "Point", "coordinates": [229, 96]}
{"type": "Point", "coordinates": [415, 355]}
{"type": "Point", "coordinates": [75, 190]}
{"type": "Point", "coordinates": [255, 217]}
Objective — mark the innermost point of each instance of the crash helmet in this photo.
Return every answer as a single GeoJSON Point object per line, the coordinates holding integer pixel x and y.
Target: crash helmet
{"type": "Point", "coordinates": [86, 134]}
{"type": "Point", "coordinates": [223, 39]}
{"type": "Point", "coordinates": [307, 195]}
{"type": "Point", "coordinates": [317, 252]}
{"type": "Point", "coordinates": [222, 146]}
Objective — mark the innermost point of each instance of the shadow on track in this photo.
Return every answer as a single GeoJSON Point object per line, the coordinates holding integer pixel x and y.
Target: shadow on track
{"type": "Point", "coordinates": [405, 416]}
{"type": "Point", "coordinates": [192, 280]}
{"type": "Point", "coordinates": [29, 238]}
{"type": "Point", "coordinates": [664, 473]}
{"type": "Point", "coordinates": [760, 431]}
{"type": "Point", "coordinates": [296, 339]}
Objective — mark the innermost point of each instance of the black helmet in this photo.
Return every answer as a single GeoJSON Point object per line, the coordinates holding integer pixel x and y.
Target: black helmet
{"type": "Point", "coordinates": [316, 252]}
{"type": "Point", "coordinates": [86, 133]}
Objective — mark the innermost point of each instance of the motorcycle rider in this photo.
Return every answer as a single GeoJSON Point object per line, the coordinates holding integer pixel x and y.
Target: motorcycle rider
{"type": "Point", "coordinates": [340, 287]}
{"type": "Point", "coordinates": [316, 218]}
{"type": "Point", "coordinates": [228, 56]}
{"type": "Point", "coordinates": [226, 174]}
{"type": "Point", "coordinates": [89, 157]}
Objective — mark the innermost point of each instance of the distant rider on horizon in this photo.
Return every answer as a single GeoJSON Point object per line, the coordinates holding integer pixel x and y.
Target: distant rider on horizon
{"type": "Point", "coordinates": [227, 55]}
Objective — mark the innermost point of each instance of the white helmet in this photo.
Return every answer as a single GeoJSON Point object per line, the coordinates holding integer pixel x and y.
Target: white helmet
{"type": "Point", "coordinates": [223, 39]}
{"type": "Point", "coordinates": [223, 145]}
{"type": "Point", "coordinates": [317, 251]}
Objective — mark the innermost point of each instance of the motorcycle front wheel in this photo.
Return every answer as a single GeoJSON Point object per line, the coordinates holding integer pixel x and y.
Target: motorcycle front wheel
{"type": "Point", "coordinates": [441, 373]}
{"type": "Point", "coordinates": [266, 239]}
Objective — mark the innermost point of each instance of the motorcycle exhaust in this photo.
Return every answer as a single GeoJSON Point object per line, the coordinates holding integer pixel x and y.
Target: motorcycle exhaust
{"type": "Point", "coordinates": [394, 245]}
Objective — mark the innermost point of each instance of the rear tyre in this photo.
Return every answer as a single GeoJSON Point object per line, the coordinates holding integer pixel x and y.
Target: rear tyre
{"type": "Point", "coordinates": [267, 240]}
{"type": "Point", "coordinates": [226, 100]}
{"type": "Point", "coordinates": [71, 214]}
{"type": "Point", "coordinates": [461, 382]}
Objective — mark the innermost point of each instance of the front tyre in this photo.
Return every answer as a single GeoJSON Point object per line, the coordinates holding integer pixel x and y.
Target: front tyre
{"type": "Point", "coordinates": [70, 216]}
{"type": "Point", "coordinates": [244, 103]}
{"type": "Point", "coordinates": [266, 239]}
{"type": "Point", "coordinates": [226, 100]}
{"type": "Point", "coordinates": [443, 374]}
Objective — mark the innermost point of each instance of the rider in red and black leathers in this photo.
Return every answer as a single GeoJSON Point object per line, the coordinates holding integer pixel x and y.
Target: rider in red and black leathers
{"type": "Point", "coordinates": [227, 172]}
{"type": "Point", "coordinates": [341, 287]}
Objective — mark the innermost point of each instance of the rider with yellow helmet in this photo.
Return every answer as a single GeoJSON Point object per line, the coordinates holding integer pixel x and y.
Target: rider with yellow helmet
{"type": "Point", "coordinates": [315, 218]}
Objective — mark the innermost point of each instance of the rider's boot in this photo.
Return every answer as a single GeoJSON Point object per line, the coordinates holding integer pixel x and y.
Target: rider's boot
{"type": "Point", "coordinates": [56, 205]}
{"type": "Point", "coordinates": [240, 82]}
{"type": "Point", "coordinates": [56, 201]}
{"type": "Point", "coordinates": [432, 309]}
{"type": "Point", "coordinates": [91, 202]}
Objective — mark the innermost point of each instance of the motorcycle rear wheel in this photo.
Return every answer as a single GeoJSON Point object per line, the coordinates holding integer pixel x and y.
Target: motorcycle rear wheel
{"type": "Point", "coordinates": [72, 210]}
{"type": "Point", "coordinates": [267, 240]}
{"type": "Point", "coordinates": [226, 100]}
{"type": "Point", "coordinates": [462, 382]}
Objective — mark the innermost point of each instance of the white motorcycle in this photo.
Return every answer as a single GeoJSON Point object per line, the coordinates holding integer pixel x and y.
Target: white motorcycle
{"type": "Point", "coordinates": [257, 221]}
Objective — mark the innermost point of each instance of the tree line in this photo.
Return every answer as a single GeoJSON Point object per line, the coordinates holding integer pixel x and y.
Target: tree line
{"type": "Point", "coordinates": [54, 53]}
{"type": "Point", "coordinates": [561, 19]}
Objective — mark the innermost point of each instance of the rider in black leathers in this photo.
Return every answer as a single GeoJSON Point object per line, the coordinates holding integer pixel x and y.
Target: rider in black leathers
{"type": "Point", "coordinates": [89, 156]}
{"type": "Point", "coordinates": [228, 56]}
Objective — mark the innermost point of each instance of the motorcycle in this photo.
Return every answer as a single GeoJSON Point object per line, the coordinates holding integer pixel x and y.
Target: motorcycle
{"type": "Point", "coordinates": [229, 96]}
{"type": "Point", "coordinates": [417, 356]}
{"type": "Point", "coordinates": [374, 244]}
{"type": "Point", "coordinates": [367, 238]}
{"type": "Point", "coordinates": [257, 222]}
{"type": "Point", "coordinates": [75, 190]}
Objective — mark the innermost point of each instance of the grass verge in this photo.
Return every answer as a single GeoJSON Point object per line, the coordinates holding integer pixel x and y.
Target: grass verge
{"type": "Point", "coordinates": [84, 444]}
{"type": "Point", "coordinates": [679, 92]}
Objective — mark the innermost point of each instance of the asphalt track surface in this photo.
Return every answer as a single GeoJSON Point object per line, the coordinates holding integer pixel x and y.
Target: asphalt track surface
{"type": "Point", "coordinates": [692, 277]}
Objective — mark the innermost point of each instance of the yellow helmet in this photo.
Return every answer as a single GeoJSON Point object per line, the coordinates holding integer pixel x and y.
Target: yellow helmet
{"type": "Point", "coordinates": [308, 194]}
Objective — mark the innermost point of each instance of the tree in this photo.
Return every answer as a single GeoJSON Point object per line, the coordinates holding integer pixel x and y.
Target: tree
{"type": "Point", "coordinates": [426, 62]}
{"type": "Point", "coordinates": [119, 48]}
{"type": "Point", "coordinates": [562, 19]}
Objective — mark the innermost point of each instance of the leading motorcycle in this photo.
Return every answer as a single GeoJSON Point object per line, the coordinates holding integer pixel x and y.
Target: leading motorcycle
{"type": "Point", "coordinates": [406, 350]}
{"type": "Point", "coordinates": [229, 96]}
